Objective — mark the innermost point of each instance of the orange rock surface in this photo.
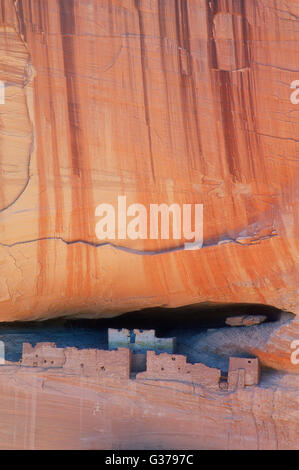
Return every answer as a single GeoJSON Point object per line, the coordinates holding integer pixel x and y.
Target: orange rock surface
{"type": "Point", "coordinates": [162, 101]}
{"type": "Point", "coordinates": [49, 410]}
{"type": "Point", "coordinates": [66, 404]}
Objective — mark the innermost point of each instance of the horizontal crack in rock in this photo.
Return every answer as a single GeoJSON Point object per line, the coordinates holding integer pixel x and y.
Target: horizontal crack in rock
{"type": "Point", "coordinates": [140, 252]}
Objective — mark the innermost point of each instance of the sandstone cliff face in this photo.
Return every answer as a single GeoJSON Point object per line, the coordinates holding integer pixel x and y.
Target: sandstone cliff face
{"type": "Point", "coordinates": [44, 409]}
{"type": "Point", "coordinates": [161, 101]}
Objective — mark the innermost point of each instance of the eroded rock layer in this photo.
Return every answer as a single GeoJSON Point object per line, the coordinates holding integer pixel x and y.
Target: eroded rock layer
{"type": "Point", "coordinates": [163, 101]}
{"type": "Point", "coordinates": [47, 409]}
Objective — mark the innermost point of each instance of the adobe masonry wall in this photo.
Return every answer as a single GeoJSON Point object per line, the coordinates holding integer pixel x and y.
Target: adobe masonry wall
{"type": "Point", "coordinates": [118, 338]}
{"type": "Point", "coordinates": [147, 339]}
{"type": "Point", "coordinates": [243, 372]}
{"type": "Point", "coordinates": [120, 363]}
{"type": "Point", "coordinates": [42, 355]}
{"type": "Point", "coordinates": [86, 361]}
{"type": "Point", "coordinates": [101, 362]}
{"type": "Point", "coordinates": [175, 367]}
{"type": "Point", "coordinates": [143, 340]}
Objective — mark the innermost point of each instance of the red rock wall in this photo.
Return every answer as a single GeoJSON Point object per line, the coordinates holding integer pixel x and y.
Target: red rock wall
{"type": "Point", "coordinates": [162, 101]}
{"type": "Point", "coordinates": [48, 410]}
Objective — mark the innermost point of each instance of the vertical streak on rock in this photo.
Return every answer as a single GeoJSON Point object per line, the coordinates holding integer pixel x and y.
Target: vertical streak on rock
{"type": "Point", "coordinates": [230, 139]}
{"type": "Point", "coordinates": [3, 10]}
{"type": "Point", "coordinates": [144, 81]}
{"type": "Point", "coordinates": [245, 34]}
{"type": "Point", "coordinates": [194, 101]}
{"type": "Point", "coordinates": [235, 102]}
{"type": "Point", "coordinates": [58, 189]}
{"type": "Point", "coordinates": [20, 17]}
{"type": "Point", "coordinates": [43, 221]}
{"type": "Point", "coordinates": [82, 203]}
{"type": "Point", "coordinates": [212, 55]}
{"type": "Point", "coordinates": [163, 36]}
{"type": "Point", "coordinates": [67, 28]}
{"type": "Point", "coordinates": [224, 90]}
{"type": "Point", "coordinates": [43, 199]}
{"type": "Point", "coordinates": [187, 85]}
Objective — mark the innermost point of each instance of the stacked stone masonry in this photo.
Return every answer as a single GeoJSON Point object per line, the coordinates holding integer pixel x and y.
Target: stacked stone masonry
{"type": "Point", "coordinates": [124, 364]}
{"type": "Point", "coordinates": [139, 340]}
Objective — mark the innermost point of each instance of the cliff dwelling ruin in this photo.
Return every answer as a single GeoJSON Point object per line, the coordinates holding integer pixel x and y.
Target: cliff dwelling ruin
{"type": "Point", "coordinates": [142, 359]}
{"type": "Point", "coordinates": [100, 374]}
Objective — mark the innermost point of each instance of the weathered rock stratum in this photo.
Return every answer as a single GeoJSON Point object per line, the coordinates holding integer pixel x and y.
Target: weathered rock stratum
{"type": "Point", "coordinates": [163, 101]}
{"type": "Point", "coordinates": [89, 399]}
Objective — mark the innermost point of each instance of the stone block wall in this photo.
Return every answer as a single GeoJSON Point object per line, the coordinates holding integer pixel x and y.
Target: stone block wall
{"type": "Point", "coordinates": [94, 362]}
{"type": "Point", "coordinates": [251, 368]}
{"type": "Point", "coordinates": [99, 362]}
{"type": "Point", "coordinates": [139, 340]}
{"type": "Point", "coordinates": [42, 355]}
{"type": "Point", "coordinates": [118, 338]}
{"type": "Point", "coordinates": [175, 367]}
{"type": "Point", "coordinates": [122, 362]}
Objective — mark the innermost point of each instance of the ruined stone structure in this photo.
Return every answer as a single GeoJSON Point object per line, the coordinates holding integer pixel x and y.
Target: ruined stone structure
{"type": "Point", "coordinates": [139, 340]}
{"type": "Point", "coordinates": [183, 103]}
{"type": "Point", "coordinates": [97, 399]}
{"type": "Point", "coordinates": [243, 371]}
{"type": "Point", "coordinates": [99, 362]}
{"type": "Point", "coordinates": [42, 355]}
{"type": "Point", "coordinates": [89, 362]}
{"type": "Point", "coordinates": [175, 367]}
{"type": "Point", "coordinates": [124, 364]}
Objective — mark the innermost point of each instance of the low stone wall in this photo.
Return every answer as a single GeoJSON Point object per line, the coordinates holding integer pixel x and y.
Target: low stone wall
{"type": "Point", "coordinates": [79, 361]}
{"type": "Point", "coordinates": [175, 367]}
{"type": "Point", "coordinates": [139, 340]}
{"type": "Point", "coordinates": [42, 355]}
{"type": "Point", "coordinates": [121, 363]}
{"type": "Point", "coordinates": [244, 371]}
{"type": "Point", "coordinates": [99, 362]}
